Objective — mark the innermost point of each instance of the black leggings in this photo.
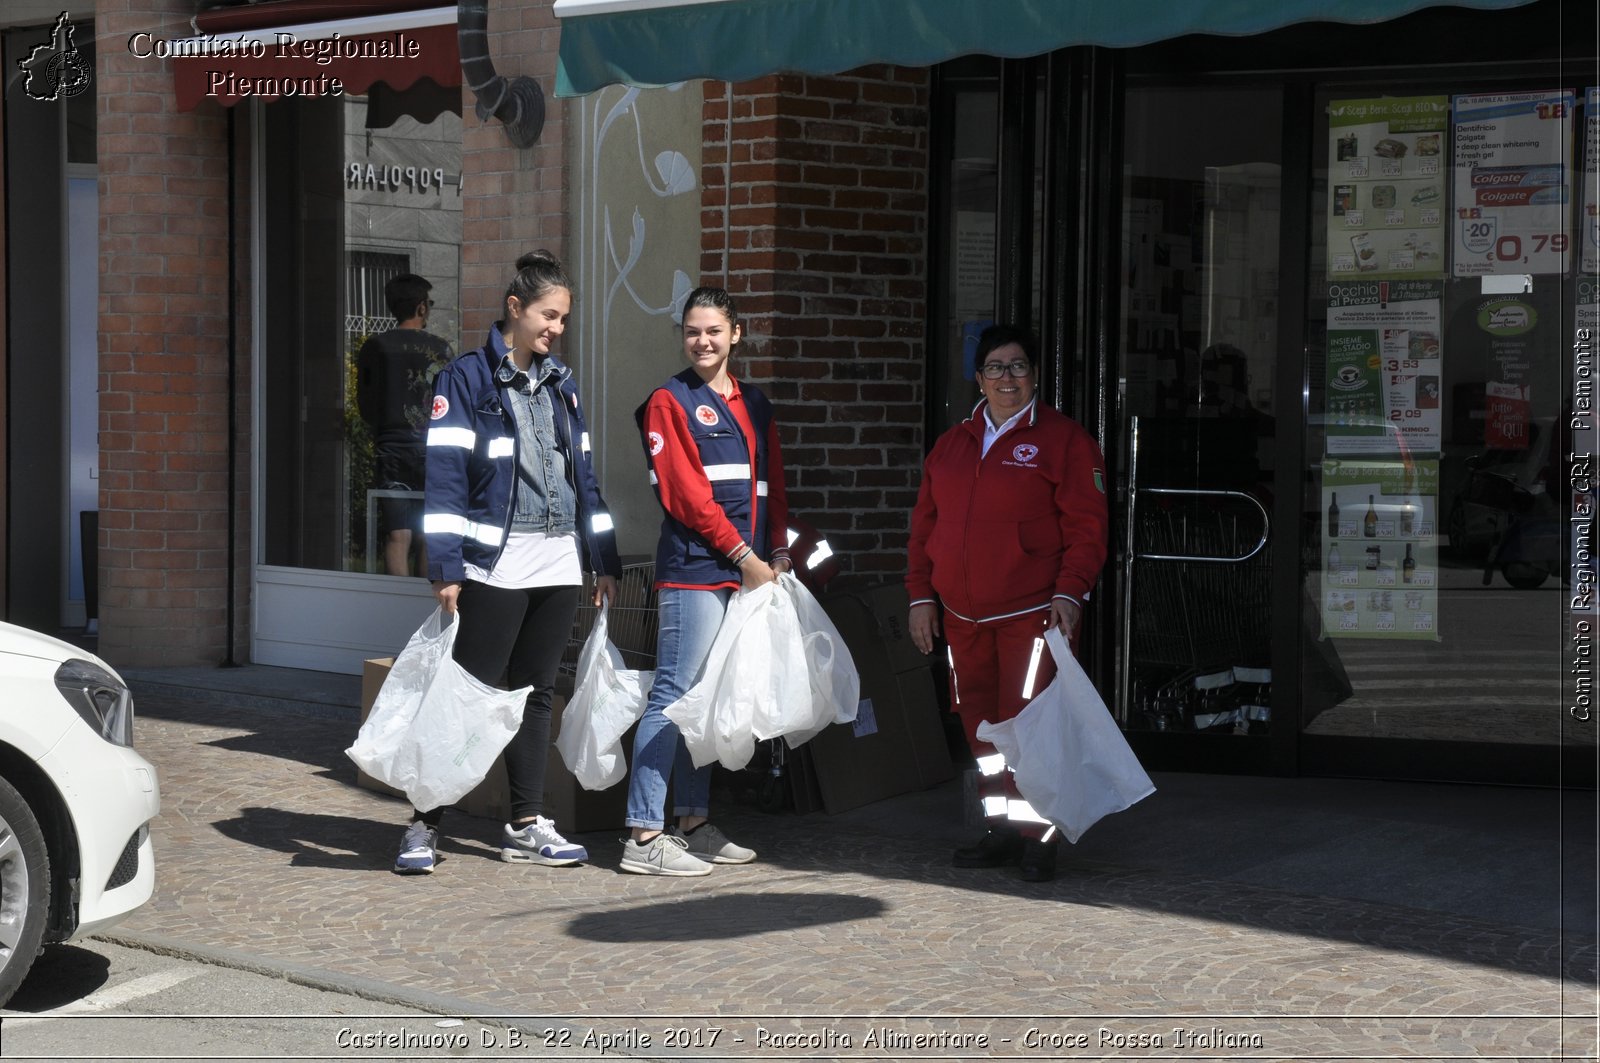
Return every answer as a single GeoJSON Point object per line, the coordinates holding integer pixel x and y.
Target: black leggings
{"type": "Point", "coordinates": [520, 635]}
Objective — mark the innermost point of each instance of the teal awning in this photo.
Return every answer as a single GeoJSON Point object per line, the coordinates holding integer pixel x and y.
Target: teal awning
{"type": "Point", "coordinates": [660, 42]}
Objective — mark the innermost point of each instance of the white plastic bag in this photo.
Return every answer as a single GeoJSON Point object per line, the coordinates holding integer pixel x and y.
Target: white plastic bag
{"type": "Point", "coordinates": [435, 731]}
{"type": "Point", "coordinates": [835, 684]}
{"type": "Point", "coordinates": [753, 685]}
{"type": "Point", "coordinates": [1069, 759]}
{"type": "Point", "coordinates": [606, 702]}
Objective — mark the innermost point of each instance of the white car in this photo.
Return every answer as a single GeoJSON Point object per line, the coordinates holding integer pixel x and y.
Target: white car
{"type": "Point", "coordinates": [75, 800]}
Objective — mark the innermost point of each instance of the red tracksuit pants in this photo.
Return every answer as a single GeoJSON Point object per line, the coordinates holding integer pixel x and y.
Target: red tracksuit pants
{"type": "Point", "coordinates": [990, 665]}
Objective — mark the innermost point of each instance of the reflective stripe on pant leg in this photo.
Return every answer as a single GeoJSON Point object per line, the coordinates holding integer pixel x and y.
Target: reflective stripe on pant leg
{"type": "Point", "coordinates": [1033, 669]}
{"type": "Point", "coordinates": [995, 806]}
{"type": "Point", "coordinates": [1019, 811]}
{"type": "Point", "coordinates": [991, 764]}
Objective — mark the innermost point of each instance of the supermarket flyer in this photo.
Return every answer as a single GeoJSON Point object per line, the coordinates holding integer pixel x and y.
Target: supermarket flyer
{"type": "Point", "coordinates": [1384, 357]}
{"type": "Point", "coordinates": [1386, 187]}
{"type": "Point", "coordinates": [1381, 558]}
{"type": "Point", "coordinates": [1513, 202]}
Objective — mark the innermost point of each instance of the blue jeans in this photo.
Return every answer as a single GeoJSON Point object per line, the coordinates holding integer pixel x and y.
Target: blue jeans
{"type": "Point", "coordinates": [689, 622]}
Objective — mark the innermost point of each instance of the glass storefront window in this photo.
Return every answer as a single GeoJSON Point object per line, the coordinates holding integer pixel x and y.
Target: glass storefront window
{"type": "Point", "coordinates": [1435, 497]}
{"type": "Point", "coordinates": [368, 195]}
{"type": "Point", "coordinates": [1200, 298]}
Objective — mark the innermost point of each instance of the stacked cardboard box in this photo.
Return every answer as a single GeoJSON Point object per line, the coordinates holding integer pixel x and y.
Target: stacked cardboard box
{"type": "Point", "coordinates": [897, 743]}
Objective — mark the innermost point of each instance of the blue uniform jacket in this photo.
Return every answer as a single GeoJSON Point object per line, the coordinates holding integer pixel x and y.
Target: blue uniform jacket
{"type": "Point", "coordinates": [472, 469]}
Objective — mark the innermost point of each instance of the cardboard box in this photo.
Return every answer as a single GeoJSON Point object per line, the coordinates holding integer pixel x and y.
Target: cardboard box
{"type": "Point", "coordinates": [897, 743]}
{"type": "Point", "coordinates": [574, 809]}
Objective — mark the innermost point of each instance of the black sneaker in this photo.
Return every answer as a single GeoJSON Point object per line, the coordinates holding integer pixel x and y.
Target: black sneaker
{"type": "Point", "coordinates": [1039, 860]}
{"type": "Point", "coordinates": [995, 849]}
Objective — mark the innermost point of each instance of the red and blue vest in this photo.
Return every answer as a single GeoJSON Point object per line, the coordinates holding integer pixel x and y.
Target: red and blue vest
{"type": "Point", "coordinates": [682, 555]}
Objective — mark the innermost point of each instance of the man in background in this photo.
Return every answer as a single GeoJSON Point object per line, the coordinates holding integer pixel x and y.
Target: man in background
{"type": "Point", "coordinates": [394, 389]}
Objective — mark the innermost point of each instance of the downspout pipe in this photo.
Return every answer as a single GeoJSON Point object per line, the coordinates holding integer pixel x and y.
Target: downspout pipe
{"type": "Point", "coordinates": [518, 102]}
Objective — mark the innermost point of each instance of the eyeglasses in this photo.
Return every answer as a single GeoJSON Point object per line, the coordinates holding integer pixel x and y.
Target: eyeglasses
{"type": "Point", "coordinates": [996, 370]}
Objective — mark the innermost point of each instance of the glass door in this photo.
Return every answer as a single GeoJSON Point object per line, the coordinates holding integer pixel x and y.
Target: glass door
{"type": "Point", "coordinates": [1200, 304]}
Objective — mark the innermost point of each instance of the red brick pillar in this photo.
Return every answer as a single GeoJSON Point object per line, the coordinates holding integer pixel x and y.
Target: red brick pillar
{"type": "Point", "coordinates": [815, 213]}
{"type": "Point", "coordinates": [513, 199]}
{"type": "Point", "coordinates": [163, 352]}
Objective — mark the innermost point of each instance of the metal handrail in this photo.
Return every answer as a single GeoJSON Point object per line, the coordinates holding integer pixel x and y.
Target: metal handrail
{"type": "Point", "coordinates": [1266, 522]}
{"type": "Point", "coordinates": [1130, 554]}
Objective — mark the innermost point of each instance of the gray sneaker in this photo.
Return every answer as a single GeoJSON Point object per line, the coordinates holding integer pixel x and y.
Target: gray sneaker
{"type": "Point", "coordinates": [419, 850]}
{"type": "Point", "coordinates": [665, 854]}
{"type": "Point", "coordinates": [711, 845]}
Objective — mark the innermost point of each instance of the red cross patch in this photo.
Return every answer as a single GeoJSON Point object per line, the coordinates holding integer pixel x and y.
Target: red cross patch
{"type": "Point", "coordinates": [441, 406]}
{"type": "Point", "coordinates": [706, 415]}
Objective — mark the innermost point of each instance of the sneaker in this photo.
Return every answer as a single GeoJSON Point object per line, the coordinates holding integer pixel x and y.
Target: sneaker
{"type": "Point", "coordinates": [419, 850]}
{"type": "Point", "coordinates": [711, 845]}
{"type": "Point", "coordinates": [539, 843]}
{"type": "Point", "coordinates": [665, 854]}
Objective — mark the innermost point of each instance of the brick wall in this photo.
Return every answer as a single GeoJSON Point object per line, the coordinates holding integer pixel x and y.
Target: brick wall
{"type": "Point", "coordinates": [163, 353]}
{"type": "Point", "coordinates": [514, 199]}
{"type": "Point", "coordinates": [815, 209]}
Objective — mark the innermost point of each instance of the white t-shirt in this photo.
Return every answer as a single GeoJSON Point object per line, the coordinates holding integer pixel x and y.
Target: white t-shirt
{"type": "Point", "coordinates": [534, 559]}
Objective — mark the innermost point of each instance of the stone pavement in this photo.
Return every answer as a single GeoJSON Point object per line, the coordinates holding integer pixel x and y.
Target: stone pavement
{"type": "Point", "coordinates": [1222, 917]}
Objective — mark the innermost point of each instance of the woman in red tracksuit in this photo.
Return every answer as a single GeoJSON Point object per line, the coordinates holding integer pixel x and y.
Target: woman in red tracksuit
{"type": "Point", "coordinates": [1007, 540]}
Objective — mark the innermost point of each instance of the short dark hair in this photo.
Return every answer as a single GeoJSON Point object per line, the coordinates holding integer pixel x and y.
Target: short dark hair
{"type": "Point", "coordinates": [405, 293]}
{"type": "Point", "coordinates": [999, 335]}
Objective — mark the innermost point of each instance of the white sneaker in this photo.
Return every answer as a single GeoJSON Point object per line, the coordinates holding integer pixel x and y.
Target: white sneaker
{"type": "Point", "coordinates": [665, 854]}
{"type": "Point", "coordinates": [711, 845]}
{"type": "Point", "coordinates": [539, 843]}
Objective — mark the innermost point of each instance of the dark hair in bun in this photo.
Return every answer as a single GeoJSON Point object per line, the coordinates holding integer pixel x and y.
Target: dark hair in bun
{"type": "Point", "coordinates": [712, 298]}
{"type": "Point", "coordinates": [538, 274]}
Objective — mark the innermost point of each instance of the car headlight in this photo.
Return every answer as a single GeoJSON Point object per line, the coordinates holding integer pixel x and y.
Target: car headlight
{"type": "Point", "coordinates": [103, 700]}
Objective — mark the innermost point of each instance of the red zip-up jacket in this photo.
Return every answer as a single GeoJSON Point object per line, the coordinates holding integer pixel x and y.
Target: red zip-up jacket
{"type": "Point", "coordinates": [1002, 535]}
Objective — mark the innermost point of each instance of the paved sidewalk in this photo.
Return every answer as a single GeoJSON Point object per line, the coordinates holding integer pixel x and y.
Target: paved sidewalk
{"type": "Point", "coordinates": [1222, 917]}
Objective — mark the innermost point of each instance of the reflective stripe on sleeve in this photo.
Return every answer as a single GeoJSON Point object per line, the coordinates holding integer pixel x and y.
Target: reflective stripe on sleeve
{"type": "Point", "coordinates": [955, 682]}
{"type": "Point", "coordinates": [600, 522]}
{"type": "Point", "coordinates": [819, 555]}
{"type": "Point", "coordinates": [991, 764]}
{"type": "Point", "coordinates": [452, 437]}
{"type": "Point", "coordinates": [454, 523]}
{"type": "Point", "coordinates": [503, 447]}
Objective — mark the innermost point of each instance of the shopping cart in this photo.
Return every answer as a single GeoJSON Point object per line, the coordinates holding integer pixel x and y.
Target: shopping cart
{"type": "Point", "coordinates": [630, 621]}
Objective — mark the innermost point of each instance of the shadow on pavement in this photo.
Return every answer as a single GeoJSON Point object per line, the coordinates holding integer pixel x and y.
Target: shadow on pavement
{"type": "Point", "coordinates": [725, 916]}
{"type": "Point", "coordinates": [62, 975]}
{"type": "Point", "coordinates": [345, 843]}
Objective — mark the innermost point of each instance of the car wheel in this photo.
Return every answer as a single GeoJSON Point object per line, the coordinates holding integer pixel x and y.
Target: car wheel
{"type": "Point", "coordinates": [1524, 576]}
{"type": "Point", "coordinates": [24, 889]}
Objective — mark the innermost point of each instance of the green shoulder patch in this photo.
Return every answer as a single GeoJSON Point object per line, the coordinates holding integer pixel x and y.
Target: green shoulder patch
{"type": "Point", "coordinates": [1100, 481]}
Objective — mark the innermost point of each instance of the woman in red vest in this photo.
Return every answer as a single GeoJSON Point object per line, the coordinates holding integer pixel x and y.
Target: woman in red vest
{"type": "Point", "coordinates": [712, 446]}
